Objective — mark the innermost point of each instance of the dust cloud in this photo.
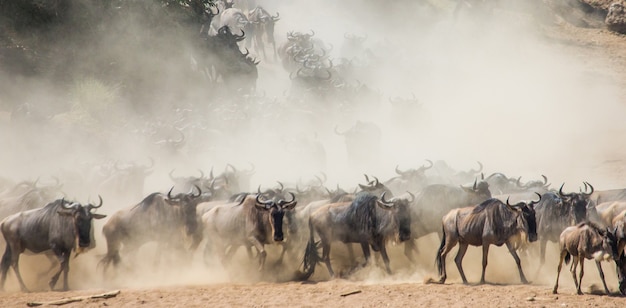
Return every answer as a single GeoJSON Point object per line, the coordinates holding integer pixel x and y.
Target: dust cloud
{"type": "Point", "coordinates": [489, 88]}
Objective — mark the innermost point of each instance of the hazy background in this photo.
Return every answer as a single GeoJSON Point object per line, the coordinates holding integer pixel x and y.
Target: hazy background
{"type": "Point", "coordinates": [491, 89]}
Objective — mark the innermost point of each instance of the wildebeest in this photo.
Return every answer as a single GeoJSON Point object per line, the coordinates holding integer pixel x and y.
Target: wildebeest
{"type": "Point", "coordinates": [607, 211]}
{"type": "Point", "coordinates": [492, 222]}
{"type": "Point", "coordinates": [363, 142]}
{"type": "Point", "coordinates": [254, 221]}
{"type": "Point", "coordinates": [367, 220]}
{"type": "Point", "coordinates": [158, 217]}
{"type": "Point", "coordinates": [602, 196]}
{"type": "Point", "coordinates": [411, 179]}
{"type": "Point", "coordinates": [585, 241]}
{"type": "Point", "coordinates": [232, 18]}
{"type": "Point", "coordinates": [435, 201]}
{"type": "Point", "coordinates": [60, 226]}
{"type": "Point", "coordinates": [261, 24]}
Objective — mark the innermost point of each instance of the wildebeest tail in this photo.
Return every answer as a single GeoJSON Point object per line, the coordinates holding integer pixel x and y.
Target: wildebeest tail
{"type": "Point", "coordinates": [438, 261]}
{"type": "Point", "coordinates": [567, 257]}
{"type": "Point", "coordinates": [311, 257]}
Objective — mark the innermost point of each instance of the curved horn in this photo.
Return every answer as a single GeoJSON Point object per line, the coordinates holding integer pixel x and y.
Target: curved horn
{"type": "Point", "coordinates": [202, 173]}
{"type": "Point", "coordinates": [424, 167]}
{"type": "Point", "coordinates": [398, 171]}
{"type": "Point", "coordinates": [71, 207]}
{"type": "Point", "coordinates": [474, 187]}
{"type": "Point", "coordinates": [545, 180]}
{"type": "Point", "coordinates": [535, 202]}
{"type": "Point", "coordinates": [480, 168]}
{"type": "Point", "coordinates": [275, 18]}
{"type": "Point", "coordinates": [312, 32]}
{"type": "Point", "coordinates": [264, 202]}
{"type": "Point", "coordinates": [231, 167]}
{"type": "Point", "coordinates": [412, 197]}
{"type": "Point", "coordinates": [172, 176]}
{"type": "Point", "coordinates": [375, 181]}
{"type": "Point", "coordinates": [258, 190]}
{"type": "Point", "coordinates": [199, 192]}
{"type": "Point", "coordinates": [281, 185]}
{"type": "Point", "coordinates": [99, 205]}
{"type": "Point", "coordinates": [563, 194]}
{"type": "Point", "coordinates": [509, 205]}
{"type": "Point", "coordinates": [169, 193]}
{"type": "Point", "coordinates": [382, 199]}
{"type": "Point", "coordinates": [591, 187]}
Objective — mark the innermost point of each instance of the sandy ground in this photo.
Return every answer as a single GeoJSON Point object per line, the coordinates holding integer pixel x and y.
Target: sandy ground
{"type": "Point", "coordinates": [504, 291]}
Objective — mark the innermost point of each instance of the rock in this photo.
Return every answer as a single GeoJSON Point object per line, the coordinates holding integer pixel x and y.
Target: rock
{"type": "Point", "coordinates": [616, 18]}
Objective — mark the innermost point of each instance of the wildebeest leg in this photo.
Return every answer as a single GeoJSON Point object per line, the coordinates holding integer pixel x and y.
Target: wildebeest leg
{"type": "Point", "coordinates": [485, 257]}
{"type": "Point", "coordinates": [511, 248]}
{"type": "Point", "coordinates": [383, 252]}
{"type": "Point", "coordinates": [326, 257]}
{"type": "Point", "coordinates": [459, 260]}
{"type": "Point", "coordinates": [606, 289]}
{"type": "Point", "coordinates": [580, 276]}
{"type": "Point", "coordinates": [447, 244]}
{"type": "Point", "coordinates": [350, 252]}
{"type": "Point", "coordinates": [572, 269]}
{"type": "Point", "coordinates": [64, 258]}
{"type": "Point", "coordinates": [558, 271]}
{"type": "Point", "coordinates": [12, 258]}
{"type": "Point", "coordinates": [261, 249]}
{"type": "Point", "coordinates": [366, 253]}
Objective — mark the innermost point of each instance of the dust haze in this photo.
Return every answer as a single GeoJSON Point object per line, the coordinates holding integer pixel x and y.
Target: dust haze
{"type": "Point", "coordinates": [491, 89]}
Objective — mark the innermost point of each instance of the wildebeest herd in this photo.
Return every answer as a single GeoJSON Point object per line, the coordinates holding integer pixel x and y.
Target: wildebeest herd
{"type": "Point", "coordinates": [305, 219]}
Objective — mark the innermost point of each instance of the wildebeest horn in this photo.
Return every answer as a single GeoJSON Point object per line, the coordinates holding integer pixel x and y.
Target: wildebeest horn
{"type": "Point", "coordinates": [563, 194]}
{"type": "Point", "coordinates": [474, 187]}
{"type": "Point", "coordinates": [480, 165]}
{"type": "Point", "coordinates": [424, 167]}
{"type": "Point", "coordinates": [519, 182]}
{"type": "Point", "coordinates": [277, 17]}
{"type": "Point", "coordinates": [319, 180]}
{"type": "Point", "coordinates": [72, 206]}
{"type": "Point", "coordinates": [312, 32]}
{"type": "Point", "coordinates": [385, 202]}
{"type": "Point", "coordinates": [412, 197]}
{"type": "Point", "coordinates": [535, 202]}
{"type": "Point", "coordinates": [251, 171]}
{"type": "Point", "coordinates": [375, 181]}
{"type": "Point", "coordinates": [266, 203]}
{"type": "Point", "coordinates": [367, 178]}
{"type": "Point", "coordinates": [281, 185]}
{"type": "Point", "coordinates": [202, 173]}
{"type": "Point", "coordinates": [293, 198]}
{"type": "Point", "coordinates": [231, 167]}
{"type": "Point", "coordinates": [509, 205]}
{"type": "Point", "coordinates": [330, 193]}
{"type": "Point", "coordinates": [591, 187]}
{"type": "Point", "coordinates": [99, 205]}
{"type": "Point", "coordinates": [169, 193]}
{"type": "Point", "coordinates": [199, 191]}
{"type": "Point", "coordinates": [545, 180]}
{"type": "Point", "coordinates": [398, 171]}
{"type": "Point", "coordinates": [172, 176]}
{"type": "Point", "coordinates": [258, 190]}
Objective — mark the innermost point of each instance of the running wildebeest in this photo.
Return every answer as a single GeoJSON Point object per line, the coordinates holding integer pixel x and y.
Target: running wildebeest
{"type": "Point", "coordinates": [585, 241]}
{"type": "Point", "coordinates": [367, 220]}
{"type": "Point", "coordinates": [60, 226]}
{"type": "Point", "coordinates": [253, 221]}
{"type": "Point", "coordinates": [491, 222]}
{"type": "Point", "coordinates": [157, 217]}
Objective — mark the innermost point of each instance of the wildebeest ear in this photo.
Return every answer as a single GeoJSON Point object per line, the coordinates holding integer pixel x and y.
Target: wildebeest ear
{"type": "Point", "coordinates": [98, 216]}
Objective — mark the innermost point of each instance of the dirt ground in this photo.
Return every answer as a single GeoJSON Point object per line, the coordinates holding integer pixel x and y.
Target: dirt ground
{"type": "Point", "coordinates": [589, 45]}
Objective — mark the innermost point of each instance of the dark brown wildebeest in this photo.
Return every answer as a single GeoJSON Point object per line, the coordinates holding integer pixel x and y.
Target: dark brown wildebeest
{"type": "Point", "coordinates": [435, 201]}
{"type": "Point", "coordinates": [555, 212]}
{"type": "Point", "coordinates": [492, 222]}
{"type": "Point", "coordinates": [158, 217]}
{"type": "Point", "coordinates": [585, 241]}
{"type": "Point", "coordinates": [60, 226]}
{"type": "Point", "coordinates": [367, 221]}
{"type": "Point", "coordinates": [251, 222]}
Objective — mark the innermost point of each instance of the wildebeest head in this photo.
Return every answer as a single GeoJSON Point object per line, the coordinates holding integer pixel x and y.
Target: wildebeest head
{"type": "Point", "coordinates": [277, 208]}
{"type": "Point", "coordinates": [479, 191]}
{"type": "Point", "coordinates": [401, 214]}
{"type": "Point", "coordinates": [82, 217]}
{"type": "Point", "coordinates": [580, 203]}
{"type": "Point", "coordinates": [527, 216]}
{"type": "Point", "coordinates": [374, 187]}
{"type": "Point", "coordinates": [187, 203]}
{"type": "Point", "coordinates": [610, 243]}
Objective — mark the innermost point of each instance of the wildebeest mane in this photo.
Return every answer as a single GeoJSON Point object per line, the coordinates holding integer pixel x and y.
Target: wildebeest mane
{"type": "Point", "coordinates": [146, 202]}
{"type": "Point", "coordinates": [338, 197]}
{"type": "Point", "coordinates": [49, 210]}
{"type": "Point", "coordinates": [361, 214]}
{"type": "Point", "coordinates": [484, 205]}
{"type": "Point", "coordinates": [593, 226]}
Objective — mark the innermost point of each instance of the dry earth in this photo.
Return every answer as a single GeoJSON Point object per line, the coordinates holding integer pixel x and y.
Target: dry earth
{"type": "Point", "coordinates": [588, 44]}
